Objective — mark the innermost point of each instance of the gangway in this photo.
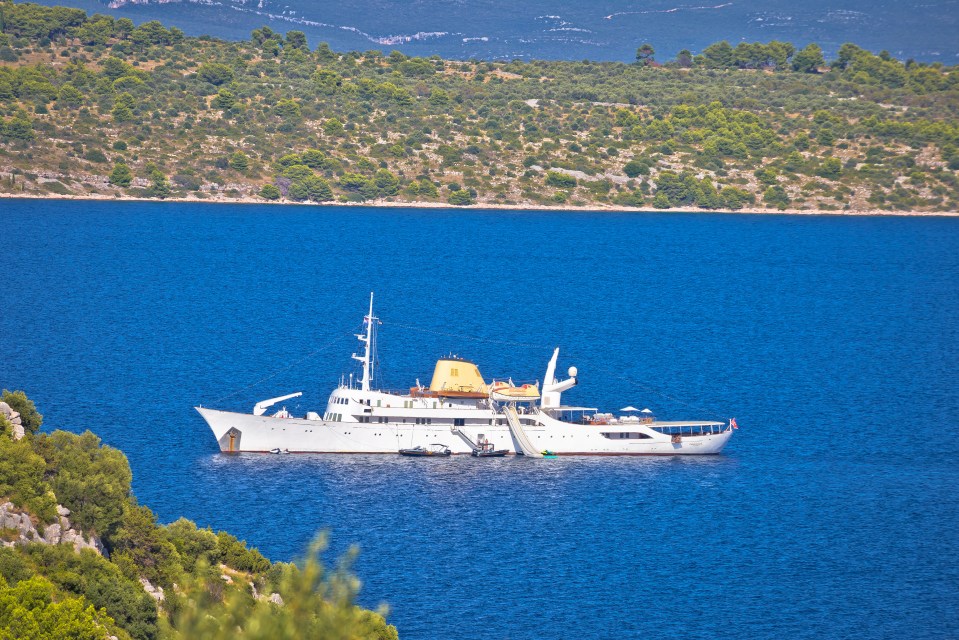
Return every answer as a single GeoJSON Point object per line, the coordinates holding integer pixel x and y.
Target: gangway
{"type": "Point", "coordinates": [519, 434]}
{"type": "Point", "coordinates": [466, 439]}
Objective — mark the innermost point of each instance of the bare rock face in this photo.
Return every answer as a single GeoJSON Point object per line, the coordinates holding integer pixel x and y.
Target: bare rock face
{"type": "Point", "coordinates": [52, 533]}
{"type": "Point", "coordinates": [18, 528]}
{"type": "Point", "coordinates": [155, 592]}
{"type": "Point", "coordinates": [13, 417]}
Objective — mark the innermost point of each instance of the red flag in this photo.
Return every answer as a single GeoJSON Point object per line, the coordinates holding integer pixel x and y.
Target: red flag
{"type": "Point", "coordinates": [732, 423]}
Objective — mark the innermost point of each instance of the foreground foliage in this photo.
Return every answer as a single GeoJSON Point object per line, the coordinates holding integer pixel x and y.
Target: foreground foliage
{"type": "Point", "coordinates": [213, 585]}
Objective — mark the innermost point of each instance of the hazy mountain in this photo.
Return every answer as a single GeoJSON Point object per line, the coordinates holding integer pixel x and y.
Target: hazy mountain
{"type": "Point", "coordinates": [557, 29]}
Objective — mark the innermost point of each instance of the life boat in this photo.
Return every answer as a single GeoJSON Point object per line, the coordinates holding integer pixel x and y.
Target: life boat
{"type": "Point", "coordinates": [507, 392]}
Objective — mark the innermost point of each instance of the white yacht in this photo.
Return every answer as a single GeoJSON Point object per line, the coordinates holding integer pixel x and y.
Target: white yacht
{"type": "Point", "coordinates": [461, 411]}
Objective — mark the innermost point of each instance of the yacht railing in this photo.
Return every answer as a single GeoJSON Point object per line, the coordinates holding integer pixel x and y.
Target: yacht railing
{"type": "Point", "coordinates": [691, 429]}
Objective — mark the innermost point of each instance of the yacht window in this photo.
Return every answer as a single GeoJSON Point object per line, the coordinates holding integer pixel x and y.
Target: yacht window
{"type": "Point", "coordinates": [459, 422]}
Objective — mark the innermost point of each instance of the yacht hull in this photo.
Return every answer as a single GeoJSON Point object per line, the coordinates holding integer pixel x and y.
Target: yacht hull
{"type": "Point", "coordinates": [243, 432]}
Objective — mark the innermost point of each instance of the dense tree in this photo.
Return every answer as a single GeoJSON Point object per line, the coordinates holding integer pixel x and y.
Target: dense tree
{"type": "Point", "coordinates": [312, 188]}
{"type": "Point", "coordinates": [270, 192]}
{"type": "Point", "coordinates": [19, 127]}
{"type": "Point", "coordinates": [719, 55]}
{"type": "Point", "coordinates": [636, 167]}
{"type": "Point", "coordinates": [159, 186]}
{"type": "Point", "coordinates": [287, 109]}
{"type": "Point", "coordinates": [559, 179]}
{"type": "Point", "coordinates": [28, 611]}
{"type": "Point", "coordinates": [93, 481]}
{"type": "Point", "coordinates": [830, 168]}
{"type": "Point", "coordinates": [296, 40]}
{"type": "Point", "coordinates": [123, 108]}
{"type": "Point", "coordinates": [224, 99]}
{"type": "Point", "coordinates": [96, 579]}
{"type": "Point", "coordinates": [121, 175]}
{"type": "Point", "coordinates": [22, 478]}
{"type": "Point", "coordinates": [69, 96]}
{"type": "Point", "coordinates": [387, 184]}
{"type": "Point", "coordinates": [460, 198]}
{"type": "Point", "coordinates": [776, 196]}
{"type": "Point", "coordinates": [140, 547]}
{"type": "Point", "coordinates": [239, 161]}
{"type": "Point", "coordinates": [644, 54]}
{"type": "Point", "coordinates": [327, 81]}
{"type": "Point", "coordinates": [215, 73]}
{"type": "Point", "coordinates": [151, 33]}
{"type": "Point", "coordinates": [808, 59]}
{"type": "Point", "coordinates": [35, 21]}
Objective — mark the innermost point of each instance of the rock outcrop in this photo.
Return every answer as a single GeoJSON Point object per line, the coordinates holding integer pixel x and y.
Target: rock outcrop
{"type": "Point", "coordinates": [156, 592]}
{"type": "Point", "coordinates": [18, 527]}
{"type": "Point", "coordinates": [13, 417]}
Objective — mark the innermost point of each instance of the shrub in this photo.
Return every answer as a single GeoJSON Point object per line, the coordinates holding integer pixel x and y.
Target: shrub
{"type": "Point", "coordinates": [776, 196]}
{"type": "Point", "coordinates": [460, 198]}
{"type": "Point", "coordinates": [635, 168]}
{"type": "Point", "coordinates": [559, 179]}
{"type": "Point", "coordinates": [143, 548]}
{"type": "Point", "coordinates": [121, 176]}
{"type": "Point", "coordinates": [22, 474]}
{"type": "Point", "coordinates": [270, 192]}
{"type": "Point", "coordinates": [215, 73]}
{"type": "Point", "coordinates": [661, 201]}
{"type": "Point", "coordinates": [239, 161]}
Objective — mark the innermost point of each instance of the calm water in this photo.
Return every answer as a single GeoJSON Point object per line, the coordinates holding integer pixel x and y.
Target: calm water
{"type": "Point", "coordinates": [566, 29]}
{"type": "Point", "coordinates": [833, 341]}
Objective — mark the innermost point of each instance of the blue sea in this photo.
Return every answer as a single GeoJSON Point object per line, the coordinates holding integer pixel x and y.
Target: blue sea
{"type": "Point", "coordinates": [834, 341]}
{"type": "Point", "coordinates": [562, 29]}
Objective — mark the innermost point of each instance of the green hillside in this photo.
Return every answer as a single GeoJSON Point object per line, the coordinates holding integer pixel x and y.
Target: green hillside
{"type": "Point", "coordinates": [94, 106]}
{"type": "Point", "coordinates": [81, 560]}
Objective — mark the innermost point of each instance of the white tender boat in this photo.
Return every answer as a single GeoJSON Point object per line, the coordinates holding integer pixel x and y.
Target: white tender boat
{"type": "Point", "coordinates": [460, 408]}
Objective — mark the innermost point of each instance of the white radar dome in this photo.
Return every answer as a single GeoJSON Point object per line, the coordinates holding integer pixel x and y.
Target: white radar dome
{"type": "Point", "coordinates": [572, 372]}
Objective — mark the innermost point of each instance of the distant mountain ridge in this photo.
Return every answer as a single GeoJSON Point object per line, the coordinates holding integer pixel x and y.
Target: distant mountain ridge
{"type": "Point", "coordinates": [540, 29]}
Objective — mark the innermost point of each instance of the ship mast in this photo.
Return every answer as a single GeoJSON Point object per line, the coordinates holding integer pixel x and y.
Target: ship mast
{"type": "Point", "coordinates": [368, 340]}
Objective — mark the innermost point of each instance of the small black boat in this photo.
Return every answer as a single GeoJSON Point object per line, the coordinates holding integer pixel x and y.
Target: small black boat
{"type": "Point", "coordinates": [434, 450]}
{"type": "Point", "coordinates": [489, 452]}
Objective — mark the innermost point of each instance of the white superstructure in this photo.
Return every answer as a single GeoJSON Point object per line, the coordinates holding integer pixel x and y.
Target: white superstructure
{"type": "Point", "coordinates": [459, 410]}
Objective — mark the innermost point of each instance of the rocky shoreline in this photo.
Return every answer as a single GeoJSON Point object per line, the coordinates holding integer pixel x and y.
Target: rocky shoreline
{"type": "Point", "coordinates": [485, 206]}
